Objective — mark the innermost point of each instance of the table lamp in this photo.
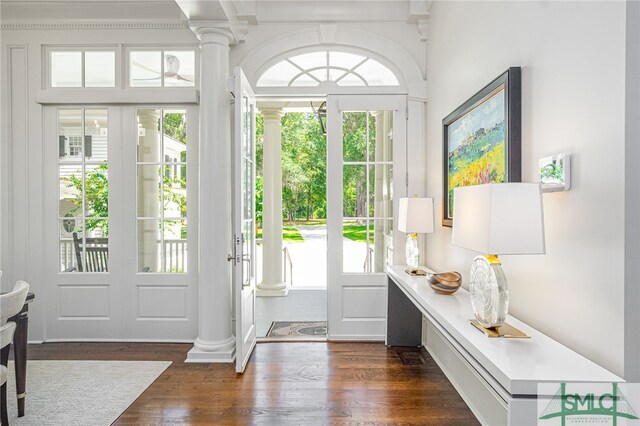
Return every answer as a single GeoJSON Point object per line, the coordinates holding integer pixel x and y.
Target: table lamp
{"type": "Point", "coordinates": [415, 217]}
{"type": "Point", "coordinates": [496, 219]}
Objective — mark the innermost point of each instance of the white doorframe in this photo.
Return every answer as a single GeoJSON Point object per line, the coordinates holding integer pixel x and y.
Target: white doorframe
{"type": "Point", "coordinates": [357, 301]}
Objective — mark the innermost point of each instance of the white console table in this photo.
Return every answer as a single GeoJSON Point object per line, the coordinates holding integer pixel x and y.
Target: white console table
{"type": "Point", "coordinates": [496, 377]}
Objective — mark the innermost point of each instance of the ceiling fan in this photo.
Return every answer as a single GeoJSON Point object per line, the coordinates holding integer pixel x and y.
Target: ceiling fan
{"type": "Point", "coordinates": [171, 69]}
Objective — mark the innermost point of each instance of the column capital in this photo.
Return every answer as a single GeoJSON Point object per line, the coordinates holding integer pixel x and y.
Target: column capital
{"type": "Point", "coordinates": [215, 32]}
{"type": "Point", "coordinates": [271, 113]}
{"type": "Point", "coordinates": [235, 31]}
{"type": "Point", "coordinates": [148, 118]}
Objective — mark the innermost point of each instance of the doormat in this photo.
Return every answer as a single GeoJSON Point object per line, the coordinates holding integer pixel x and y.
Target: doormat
{"type": "Point", "coordinates": [298, 330]}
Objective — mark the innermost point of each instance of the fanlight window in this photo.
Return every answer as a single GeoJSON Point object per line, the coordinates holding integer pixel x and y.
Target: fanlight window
{"type": "Point", "coordinates": [312, 69]}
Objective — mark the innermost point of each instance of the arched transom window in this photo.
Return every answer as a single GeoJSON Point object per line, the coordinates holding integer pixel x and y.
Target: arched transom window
{"type": "Point", "coordinates": [340, 68]}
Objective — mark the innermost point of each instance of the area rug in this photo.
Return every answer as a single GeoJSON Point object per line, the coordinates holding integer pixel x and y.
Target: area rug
{"type": "Point", "coordinates": [80, 392]}
{"type": "Point", "coordinates": [301, 330]}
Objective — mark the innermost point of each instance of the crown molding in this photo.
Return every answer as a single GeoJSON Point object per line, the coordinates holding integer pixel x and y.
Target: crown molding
{"type": "Point", "coordinates": [96, 26]}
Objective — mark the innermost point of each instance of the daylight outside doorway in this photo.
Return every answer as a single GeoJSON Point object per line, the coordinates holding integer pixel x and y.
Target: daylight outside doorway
{"type": "Point", "coordinates": [304, 201]}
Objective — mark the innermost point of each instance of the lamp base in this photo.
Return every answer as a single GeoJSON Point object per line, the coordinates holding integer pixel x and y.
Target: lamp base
{"type": "Point", "coordinates": [506, 331]}
{"type": "Point", "coordinates": [488, 291]}
{"type": "Point", "coordinates": [412, 252]}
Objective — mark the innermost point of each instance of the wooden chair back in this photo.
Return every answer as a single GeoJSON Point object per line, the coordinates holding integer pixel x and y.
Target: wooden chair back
{"type": "Point", "coordinates": [96, 252]}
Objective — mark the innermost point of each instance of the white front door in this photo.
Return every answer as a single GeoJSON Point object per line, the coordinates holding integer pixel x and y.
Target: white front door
{"type": "Point", "coordinates": [366, 175]}
{"type": "Point", "coordinates": [244, 225]}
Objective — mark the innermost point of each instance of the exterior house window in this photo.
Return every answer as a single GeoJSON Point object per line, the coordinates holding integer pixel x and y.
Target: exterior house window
{"type": "Point", "coordinates": [75, 146]}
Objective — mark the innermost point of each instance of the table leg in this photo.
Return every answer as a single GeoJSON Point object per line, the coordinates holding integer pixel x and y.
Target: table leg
{"type": "Point", "coordinates": [404, 320]}
{"type": "Point", "coordinates": [20, 356]}
{"type": "Point", "coordinates": [4, 359]}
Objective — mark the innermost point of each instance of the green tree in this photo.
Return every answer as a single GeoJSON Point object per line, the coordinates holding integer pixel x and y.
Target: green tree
{"type": "Point", "coordinates": [259, 179]}
{"type": "Point", "coordinates": [96, 188]}
{"type": "Point", "coordinates": [175, 126]}
{"type": "Point", "coordinates": [303, 167]}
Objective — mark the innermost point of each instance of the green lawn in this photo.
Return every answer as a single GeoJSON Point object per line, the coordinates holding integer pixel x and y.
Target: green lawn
{"type": "Point", "coordinates": [289, 234]}
{"type": "Point", "coordinates": [309, 222]}
{"type": "Point", "coordinates": [350, 230]}
{"type": "Point", "coordinates": [357, 233]}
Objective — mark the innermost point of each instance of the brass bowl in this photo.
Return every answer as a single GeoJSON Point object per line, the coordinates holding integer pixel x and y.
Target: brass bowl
{"type": "Point", "coordinates": [445, 283]}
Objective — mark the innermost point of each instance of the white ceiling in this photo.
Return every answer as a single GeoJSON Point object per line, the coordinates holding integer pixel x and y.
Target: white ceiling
{"type": "Point", "coordinates": [90, 11]}
{"type": "Point", "coordinates": [179, 11]}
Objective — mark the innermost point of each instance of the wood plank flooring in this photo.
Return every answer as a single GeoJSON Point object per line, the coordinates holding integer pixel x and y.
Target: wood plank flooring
{"type": "Point", "coordinates": [310, 383]}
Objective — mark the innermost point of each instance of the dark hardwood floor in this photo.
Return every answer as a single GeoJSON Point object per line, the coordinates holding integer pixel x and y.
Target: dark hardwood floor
{"type": "Point", "coordinates": [312, 383]}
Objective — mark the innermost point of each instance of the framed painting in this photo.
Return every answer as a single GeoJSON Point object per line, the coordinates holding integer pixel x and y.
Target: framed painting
{"type": "Point", "coordinates": [482, 139]}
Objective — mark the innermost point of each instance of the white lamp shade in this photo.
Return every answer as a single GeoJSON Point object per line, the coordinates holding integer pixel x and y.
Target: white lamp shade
{"type": "Point", "coordinates": [501, 218]}
{"type": "Point", "coordinates": [415, 215]}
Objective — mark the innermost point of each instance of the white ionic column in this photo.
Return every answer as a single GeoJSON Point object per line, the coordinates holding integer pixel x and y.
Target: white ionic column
{"type": "Point", "coordinates": [215, 342]}
{"type": "Point", "coordinates": [272, 283]}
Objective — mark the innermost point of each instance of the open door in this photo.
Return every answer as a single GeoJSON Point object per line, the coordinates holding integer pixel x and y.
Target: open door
{"type": "Point", "coordinates": [366, 175]}
{"type": "Point", "coordinates": [244, 228]}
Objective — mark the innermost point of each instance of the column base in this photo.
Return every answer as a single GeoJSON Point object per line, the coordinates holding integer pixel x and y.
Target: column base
{"type": "Point", "coordinates": [223, 351]}
{"type": "Point", "coordinates": [272, 290]}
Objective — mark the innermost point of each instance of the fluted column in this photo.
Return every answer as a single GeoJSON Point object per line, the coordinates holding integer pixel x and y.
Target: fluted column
{"type": "Point", "coordinates": [272, 282]}
{"type": "Point", "coordinates": [215, 342]}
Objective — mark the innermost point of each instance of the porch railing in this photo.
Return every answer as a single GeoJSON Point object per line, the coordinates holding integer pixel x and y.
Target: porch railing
{"type": "Point", "coordinates": [286, 259]}
{"type": "Point", "coordinates": [368, 261]}
{"type": "Point", "coordinates": [174, 259]}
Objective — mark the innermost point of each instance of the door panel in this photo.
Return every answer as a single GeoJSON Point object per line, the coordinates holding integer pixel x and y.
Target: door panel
{"type": "Point", "coordinates": [244, 227]}
{"type": "Point", "coordinates": [122, 300]}
{"type": "Point", "coordinates": [366, 175]}
{"type": "Point", "coordinates": [83, 299]}
{"type": "Point", "coordinates": [160, 263]}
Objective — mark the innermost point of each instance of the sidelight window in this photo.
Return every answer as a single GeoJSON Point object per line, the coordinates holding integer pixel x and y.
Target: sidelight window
{"type": "Point", "coordinates": [83, 190]}
{"type": "Point", "coordinates": [367, 190]}
{"type": "Point", "coordinates": [162, 190]}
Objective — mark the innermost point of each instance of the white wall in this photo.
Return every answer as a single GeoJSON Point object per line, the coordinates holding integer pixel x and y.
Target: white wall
{"type": "Point", "coordinates": [572, 56]}
{"type": "Point", "coordinates": [632, 196]}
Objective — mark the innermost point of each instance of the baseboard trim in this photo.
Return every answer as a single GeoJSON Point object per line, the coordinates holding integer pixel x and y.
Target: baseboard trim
{"type": "Point", "coordinates": [93, 340]}
{"type": "Point", "coordinates": [347, 337]}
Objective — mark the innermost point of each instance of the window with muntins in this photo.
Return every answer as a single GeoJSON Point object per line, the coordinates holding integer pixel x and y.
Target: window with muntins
{"type": "Point", "coordinates": [84, 190]}
{"type": "Point", "coordinates": [162, 190]}
{"type": "Point", "coordinates": [162, 68]}
{"type": "Point", "coordinates": [341, 68]}
{"type": "Point", "coordinates": [82, 68]}
{"type": "Point", "coordinates": [367, 191]}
